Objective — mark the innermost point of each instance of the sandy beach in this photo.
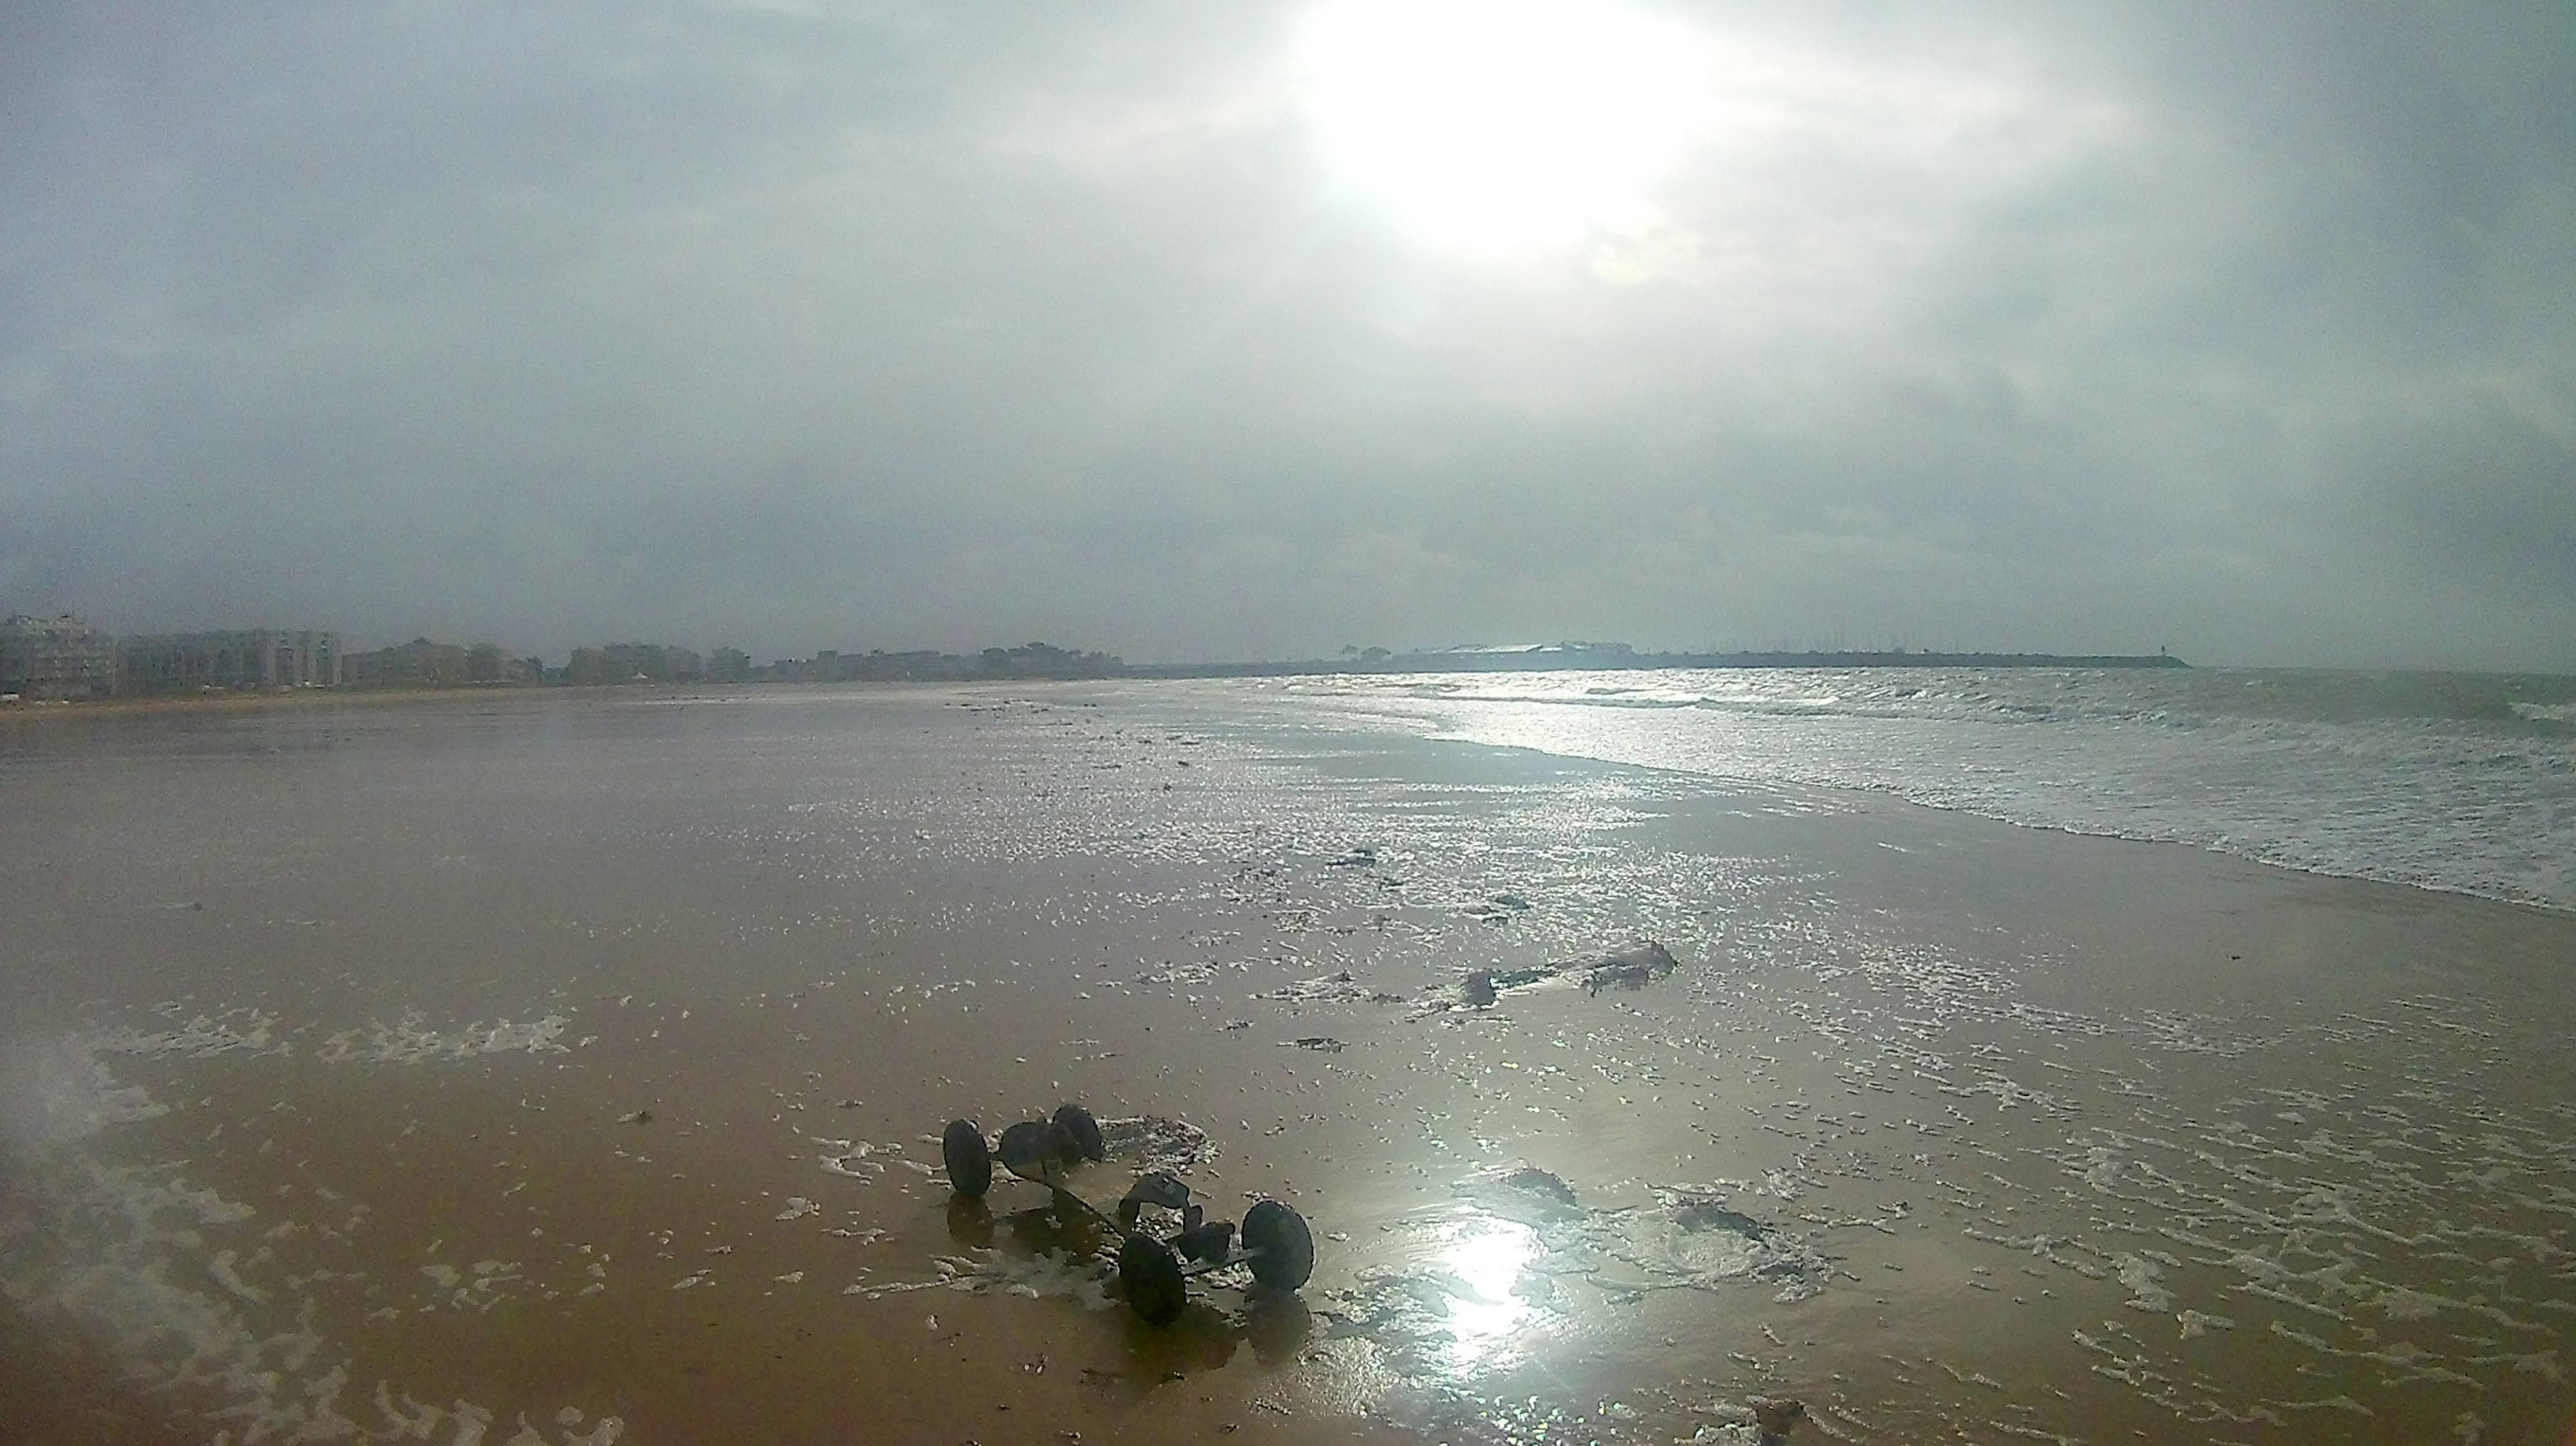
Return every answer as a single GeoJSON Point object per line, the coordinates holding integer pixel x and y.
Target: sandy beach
{"type": "Point", "coordinates": [570, 1069]}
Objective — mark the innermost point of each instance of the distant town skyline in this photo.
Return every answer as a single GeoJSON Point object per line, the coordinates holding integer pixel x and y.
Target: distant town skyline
{"type": "Point", "coordinates": [63, 658]}
{"type": "Point", "coordinates": [1251, 331]}
{"type": "Point", "coordinates": [1833, 640]}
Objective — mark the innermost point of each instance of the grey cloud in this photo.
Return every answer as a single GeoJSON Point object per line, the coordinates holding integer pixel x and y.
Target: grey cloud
{"type": "Point", "coordinates": [884, 326]}
{"type": "Point", "coordinates": [2479, 497]}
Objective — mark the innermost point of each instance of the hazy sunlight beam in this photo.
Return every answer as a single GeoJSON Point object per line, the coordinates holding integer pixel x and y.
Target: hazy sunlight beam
{"type": "Point", "coordinates": [1502, 127]}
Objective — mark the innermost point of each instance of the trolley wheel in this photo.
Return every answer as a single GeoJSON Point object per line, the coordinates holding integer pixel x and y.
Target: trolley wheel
{"type": "Point", "coordinates": [1029, 1149]}
{"type": "Point", "coordinates": [1078, 1126]}
{"type": "Point", "coordinates": [1207, 1244]}
{"type": "Point", "coordinates": [970, 1162]}
{"type": "Point", "coordinates": [1284, 1251]}
{"type": "Point", "coordinates": [1149, 1275]}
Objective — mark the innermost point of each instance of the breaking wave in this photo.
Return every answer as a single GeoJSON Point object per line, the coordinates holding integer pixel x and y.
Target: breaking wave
{"type": "Point", "coordinates": [2458, 782]}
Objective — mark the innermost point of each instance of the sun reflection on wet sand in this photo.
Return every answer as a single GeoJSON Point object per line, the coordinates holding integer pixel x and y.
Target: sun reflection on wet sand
{"type": "Point", "coordinates": [1484, 1258]}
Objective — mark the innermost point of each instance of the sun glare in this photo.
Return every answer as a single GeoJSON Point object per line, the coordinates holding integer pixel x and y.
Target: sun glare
{"type": "Point", "coordinates": [1486, 1259]}
{"type": "Point", "coordinates": [1502, 126]}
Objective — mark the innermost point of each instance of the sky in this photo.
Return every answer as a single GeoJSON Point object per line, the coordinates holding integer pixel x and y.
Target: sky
{"type": "Point", "coordinates": [1191, 331]}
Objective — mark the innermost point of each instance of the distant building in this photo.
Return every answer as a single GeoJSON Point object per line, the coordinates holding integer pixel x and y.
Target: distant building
{"type": "Point", "coordinates": [728, 665]}
{"type": "Point", "coordinates": [56, 657]}
{"type": "Point", "coordinates": [919, 665]}
{"type": "Point", "coordinates": [634, 663]}
{"type": "Point", "coordinates": [1044, 660]}
{"type": "Point", "coordinates": [419, 663]}
{"type": "Point", "coordinates": [259, 658]}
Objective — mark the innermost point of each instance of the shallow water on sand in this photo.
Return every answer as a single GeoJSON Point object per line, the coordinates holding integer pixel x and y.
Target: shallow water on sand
{"type": "Point", "coordinates": [570, 1069]}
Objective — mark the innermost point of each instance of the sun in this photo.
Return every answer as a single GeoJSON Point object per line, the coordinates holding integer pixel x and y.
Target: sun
{"type": "Point", "coordinates": [1502, 127]}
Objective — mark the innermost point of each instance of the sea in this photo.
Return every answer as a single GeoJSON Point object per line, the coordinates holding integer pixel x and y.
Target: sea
{"type": "Point", "coordinates": [2461, 782]}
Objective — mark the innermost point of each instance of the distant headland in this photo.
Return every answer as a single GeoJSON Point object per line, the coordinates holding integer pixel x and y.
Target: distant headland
{"type": "Point", "coordinates": [1585, 657]}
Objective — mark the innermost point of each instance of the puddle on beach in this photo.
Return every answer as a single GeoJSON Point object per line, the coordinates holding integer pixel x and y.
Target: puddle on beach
{"type": "Point", "coordinates": [580, 1111]}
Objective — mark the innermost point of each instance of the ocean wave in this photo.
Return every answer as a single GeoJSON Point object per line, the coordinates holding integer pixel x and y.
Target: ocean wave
{"type": "Point", "coordinates": [2458, 782]}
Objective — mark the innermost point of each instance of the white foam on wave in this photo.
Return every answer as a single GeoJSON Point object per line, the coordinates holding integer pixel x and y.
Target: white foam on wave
{"type": "Point", "coordinates": [1153, 1142]}
{"type": "Point", "coordinates": [56, 1091]}
{"type": "Point", "coordinates": [247, 1032]}
{"type": "Point", "coordinates": [850, 1157]}
{"type": "Point", "coordinates": [139, 1272]}
{"type": "Point", "coordinates": [65, 1066]}
{"type": "Point", "coordinates": [159, 1272]}
{"type": "Point", "coordinates": [2380, 778]}
{"type": "Point", "coordinates": [2146, 1283]}
{"type": "Point", "coordinates": [410, 1040]}
{"type": "Point", "coordinates": [53, 1092]}
{"type": "Point", "coordinates": [1083, 1279]}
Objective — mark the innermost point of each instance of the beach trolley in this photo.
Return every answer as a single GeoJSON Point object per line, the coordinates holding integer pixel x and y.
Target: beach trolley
{"type": "Point", "coordinates": [1153, 1272]}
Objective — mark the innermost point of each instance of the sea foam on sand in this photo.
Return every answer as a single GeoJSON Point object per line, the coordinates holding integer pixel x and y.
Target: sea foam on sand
{"type": "Point", "coordinates": [133, 1256]}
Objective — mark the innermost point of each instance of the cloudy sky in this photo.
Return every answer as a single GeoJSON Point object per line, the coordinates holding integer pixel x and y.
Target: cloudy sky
{"type": "Point", "coordinates": [1195, 330]}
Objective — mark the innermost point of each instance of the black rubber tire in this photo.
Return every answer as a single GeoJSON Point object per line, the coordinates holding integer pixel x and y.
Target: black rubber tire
{"type": "Point", "coordinates": [1083, 1130]}
{"type": "Point", "coordinates": [1029, 1149]}
{"type": "Point", "coordinates": [1285, 1250]}
{"type": "Point", "coordinates": [970, 1161]}
{"type": "Point", "coordinates": [1206, 1243]}
{"type": "Point", "coordinates": [1149, 1275]}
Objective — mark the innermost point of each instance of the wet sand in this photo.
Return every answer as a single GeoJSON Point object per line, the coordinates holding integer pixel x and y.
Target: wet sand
{"type": "Point", "coordinates": [570, 1069]}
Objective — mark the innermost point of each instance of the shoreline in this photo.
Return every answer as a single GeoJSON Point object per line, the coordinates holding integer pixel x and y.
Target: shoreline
{"type": "Point", "coordinates": [1570, 658]}
{"type": "Point", "coordinates": [237, 702]}
{"type": "Point", "coordinates": [299, 700]}
{"type": "Point", "coordinates": [252, 701]}
{"type": "Point", "coordinates": [1575, 658]}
